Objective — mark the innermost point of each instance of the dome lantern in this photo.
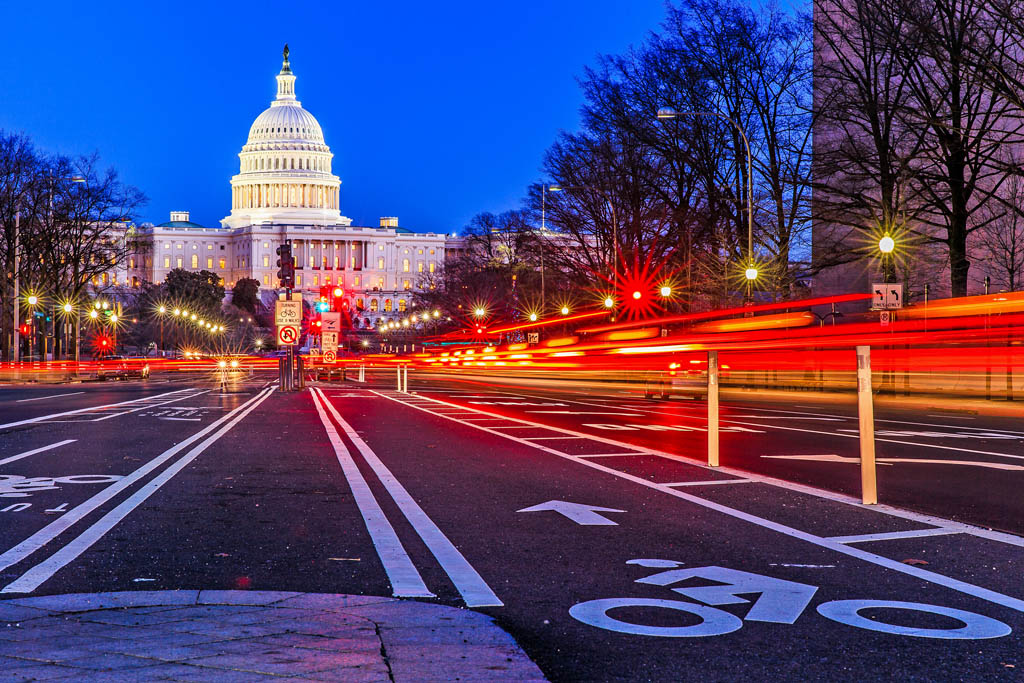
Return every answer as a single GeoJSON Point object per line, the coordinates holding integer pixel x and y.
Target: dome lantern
{"type": "Point", "coordinates": [285, 81]}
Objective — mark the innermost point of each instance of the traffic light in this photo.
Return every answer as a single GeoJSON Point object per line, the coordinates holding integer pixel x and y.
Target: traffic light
{"type": "Point", "coordinates": [25, 329]}
{"type": "Point", "coordinates": [322, 304]}
{"type": "Point", "coordinates": [337, 298]}
{"type": "Point", "coordinates": [286, 265]}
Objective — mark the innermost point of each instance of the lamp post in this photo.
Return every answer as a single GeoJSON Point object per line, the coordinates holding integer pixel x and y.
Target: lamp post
{"type": "Point", "coordinates": [615, 230]}
{"type": "Point", "coordinates": [667, 113]}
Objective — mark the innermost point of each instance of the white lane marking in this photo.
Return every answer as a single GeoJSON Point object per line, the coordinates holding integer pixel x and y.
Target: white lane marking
{"type": "Point", "coordinates": [569, 412]}
{"type": "Point", "coordinates": [857, 553]}
{"type": "Point", "coordinates": [182, 419]}
{"type": "Point", "coordinates": [19, 456]}
{"type": "Point", "coordinates": [405, 579]}
{"type": "Point", "coordinates": [51, 531]}
{"type": "Point", "coordinates": [890, 461]}
{"type": "Point", "coordinates": [542, 438]}
{"type": "Point", "coordinates": [699, 414]}
{"type": "Point", "coordinates": [43, 398]}
{"type": "Point", "coordinates": [893, 535]}
{"type": "Point", "coordinates": [591, 455]}
{"type": "Point", "coordinates": [85, 410]}
{"type": "Point", "coordinates": [468, 582]}
{"type": "Point", "coordinates": [710, 482]}
{"type": "Point", "coordinates": [950, 417]}
{"type": "Point", "coordinates": [791, 417]}
{"type": "Point", "coordinates": [153, 405]}
{"type": "Point", "coordinates": [34, 577]}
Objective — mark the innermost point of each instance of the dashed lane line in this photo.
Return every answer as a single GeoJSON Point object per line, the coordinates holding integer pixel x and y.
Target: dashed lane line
{"type": "Point", "coordinates": [26, 454]}
{"type": "Point", "coordinates": [43, 398]}
{"type": "Point", "coordinates": [820, 541]}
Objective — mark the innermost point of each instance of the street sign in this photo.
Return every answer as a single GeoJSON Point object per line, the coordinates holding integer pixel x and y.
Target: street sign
{"type": "Point", "coordinates": [287, 335]}
{"type": "Point", "coordinates": [331, 321]}
{"type": "Point", "coordinates": [287, 313]}
{"type": "Point", "coordinates": [330, 356]}
{"type": "Point", "coordinates": [886, 296]}
{"type": "Point", "coordinates": [883, 318]}
{"type": "Point", "coordinates": [533, 337]}
{"type": "Point", "coordinates": [329, 340]}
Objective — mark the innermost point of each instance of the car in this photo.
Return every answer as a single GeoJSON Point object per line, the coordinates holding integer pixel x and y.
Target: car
{"type": "Point", "coordinates": [120, 367]}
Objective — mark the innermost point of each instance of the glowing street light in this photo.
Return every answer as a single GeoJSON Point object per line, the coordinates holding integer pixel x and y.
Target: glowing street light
{"type": "Point", "coordinates": [113, 317]}
{"type": "Point", "coordinates": [637, 295]}
{"type": "Point", "coordinates": [162, 310]}
{"type": "Point", "coordinates": [68, 308]}
{"type": "Point", "coordinates": [751, 273]}
{"type": "Point", "coordinates": [886, 244]}
{"type": "Point", "coordinates": [533, 317]}
{"type": "Point", "coordinates": [94, 314]}
{"type": "Point", "coordinates": [666, 291]}
{"type": "Point", "coordinates": [565, 310]}
{"type": "Point", "coordinates": [480, 312]}
{"type": "Point", "coordinates": [609, 302]}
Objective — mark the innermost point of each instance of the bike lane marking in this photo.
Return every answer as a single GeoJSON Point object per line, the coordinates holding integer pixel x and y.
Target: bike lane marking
{"type": "Point", "coordinates": [41, 538]}
{"type": "Point", "coordinates": [474, 590]}
{"type": "Point", "coordinates": [26, 454]}
{"type": "Point", "coordinates": [41, 572]}
{"type": "Point", "coordinates": [823, 542]}
{"type": "Point", "coordinates": [41, 418]}
{"type": "Point", "coordinates": [405, 579]}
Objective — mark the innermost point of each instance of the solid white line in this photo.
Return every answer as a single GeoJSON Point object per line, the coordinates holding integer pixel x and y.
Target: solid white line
{"type": "Point", "coordinates": [33, 452]}
{"type": "Point", "coordinates": [893, 536]}
{"type": "Point", "coordinates": [711, 482]}
{"type": "Point", "coordinates": [597, 455]}
{"type": "Point", "coordinates": [85, 410]}
{"type": "Point", "coordinates": [467, 580]}
{"type": "Point", "coordinates": [885, 562]}
{"type": "Point", "coordinates": [542, 438]}
{"type": "Point", "coordinates": [43, 398]}
{"type": "Point", "coordinates": [34, 577]}
{"type": "Point", "coordinates": [183, 419]}
{"type": "Point", "coordinates": [405, 579]}
{"type": "Point", "coordinates": [64, 522]}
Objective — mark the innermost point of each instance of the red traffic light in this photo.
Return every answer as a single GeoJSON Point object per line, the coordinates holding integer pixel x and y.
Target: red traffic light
{"type": "Point", "coordinates": [319, 323]}
{"type": "Point", "coordinates": [24, 329]}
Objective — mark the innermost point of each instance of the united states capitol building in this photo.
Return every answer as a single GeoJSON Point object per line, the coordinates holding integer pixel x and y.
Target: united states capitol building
{"type": "Point", "coordinates": [286, 189]}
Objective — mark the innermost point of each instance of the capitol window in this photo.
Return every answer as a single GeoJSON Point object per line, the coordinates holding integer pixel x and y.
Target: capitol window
{"type": "Point", "coordinates": [266, 279]}
{"type": "Point", "coordinates": [380, 263]}
{"type": "Point", "coordinates": [209, 247]}
{"type": "Point", "coordinates": [355, 281]}
{"type": "Point", "coordinates": [431, 252]}
{"type": "Point", "coordinates": [167, 245]}
{"type": "Point", "coordinates": [179, 245]}
{"type": "Point", "coordinates": [405, 265]}
{"type": "Point", "coordinates": [167, 261]}
{"type": "Point", "coordinates": [387, 305]}
{"type": "Point", "coordinates": [419, 267]}
{"type": "Point", "coordinates": [209, 262]}
{"type": "Point", "coordinates": [420, 252]}
{"type": "Point", "coordinates": [195, 260]}
{"type": "Point", "coordinates": [222, 263]}
{"type": "Point", "coordinates": [373, 305]}
{"type": "Point", "coordinates": [401, 305]}
{"type": "Point", "coordinates": [431, 266]}
{"type": "Point", "coordinates": [266, 261]}
{"type": "Point", "coordinates": [178, 259]}
{"type": "Point", "coordinates": [406, 285]}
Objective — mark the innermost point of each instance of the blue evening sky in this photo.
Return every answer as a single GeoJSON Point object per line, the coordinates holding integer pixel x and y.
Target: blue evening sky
{"type": "Point", "coordinates": [435, 111]}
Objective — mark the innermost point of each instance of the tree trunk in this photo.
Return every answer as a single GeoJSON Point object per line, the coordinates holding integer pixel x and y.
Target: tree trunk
{"type": "Point", "coordinates": [958, 263]}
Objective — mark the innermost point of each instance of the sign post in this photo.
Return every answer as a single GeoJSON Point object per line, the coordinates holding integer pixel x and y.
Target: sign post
{"type": "Point", "coordinates": [712, 408]}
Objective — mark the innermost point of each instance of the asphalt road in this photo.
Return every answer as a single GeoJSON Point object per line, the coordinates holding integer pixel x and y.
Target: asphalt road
{"type": "Point", "coordinates": [610, 554]}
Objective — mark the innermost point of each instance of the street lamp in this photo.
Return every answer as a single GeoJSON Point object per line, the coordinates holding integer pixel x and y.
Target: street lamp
{"type": "Point", "coordinates": [666, 291]}
{"type": "Point", "coordinates": [667, 113]}
{"type": "Point", "coordinates": [886, 244]}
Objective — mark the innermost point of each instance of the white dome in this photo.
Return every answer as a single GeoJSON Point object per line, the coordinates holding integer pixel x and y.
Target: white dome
{"type": "Point", "coordinates": [286, 124]}
{"type": "Point", "coordinates": [285, 166]}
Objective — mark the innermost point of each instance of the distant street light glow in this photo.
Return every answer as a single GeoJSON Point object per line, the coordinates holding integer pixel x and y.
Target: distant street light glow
{"type": "Point", "coordinates": [609, 302]}
{"type": "Point", "coordinates": [565, 310]}
{"type": "Point", "coordinates": [886, 244]}
{"type": "Point", "coordinates": [68, 308]}
{"type": "Point", "coordinates": [666, 291]}
{"type": "Point", "coordinates": [32, 300]}
{"type": "Point", "coordinates": [637, 295]}
{"type": "Point", "coordinates": [533, 317]}
{"type": "Point", "coordinates": [751, 273]}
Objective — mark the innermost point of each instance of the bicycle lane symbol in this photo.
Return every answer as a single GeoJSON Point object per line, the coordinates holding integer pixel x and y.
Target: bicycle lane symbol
{"type": "Point", "coordinates": [779, 601]}
{"type": "Point", "coordinates": [17, 486]}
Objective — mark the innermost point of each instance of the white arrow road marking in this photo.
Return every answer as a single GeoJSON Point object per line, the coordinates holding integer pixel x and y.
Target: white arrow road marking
{"type": "Point", "coordinates": [890, 461]}
{"type": "Point", "coordinates": [585, 515]}
{"type": "Point", "coordinates": [781, 601]}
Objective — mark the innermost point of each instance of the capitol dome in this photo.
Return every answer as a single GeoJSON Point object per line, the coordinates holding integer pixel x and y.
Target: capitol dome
{"type": "Point", "coordinates": [285, 166]}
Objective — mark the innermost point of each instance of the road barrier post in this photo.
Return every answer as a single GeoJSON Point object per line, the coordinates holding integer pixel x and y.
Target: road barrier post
{"type": "Point", "coordinates": [866, 414]}
{"type": "Point", "coordinates": [362, 373]}
{"type": "Point", "coordinates": [405, 379]}
{"type": "Point", "coordinates": [301, 380]}
{"type": "Point", "coordinates": [713, 408]}
{"type": "Point", "coordinates": [398, 371]}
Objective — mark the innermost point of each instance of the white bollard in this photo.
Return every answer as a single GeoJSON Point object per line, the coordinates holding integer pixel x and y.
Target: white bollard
{"type": "Point", "coordinates": [866, 414]}
{"type": "Point", "coordinates": [405, 381]}
{"type": "Point", "coordinates": [712, 408]}
{"type": "Point", "coordinates": [362, 373]}
{"type": "Point", "coordinates": [398, 370]}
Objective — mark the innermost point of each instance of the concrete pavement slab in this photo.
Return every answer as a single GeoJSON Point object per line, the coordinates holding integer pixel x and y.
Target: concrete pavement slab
{"type": "Point", "coordinates": [240, 636]}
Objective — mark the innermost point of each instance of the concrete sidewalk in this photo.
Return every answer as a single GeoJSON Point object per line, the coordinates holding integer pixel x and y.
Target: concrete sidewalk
{"type": "Point", "coordinates": [251, 636]}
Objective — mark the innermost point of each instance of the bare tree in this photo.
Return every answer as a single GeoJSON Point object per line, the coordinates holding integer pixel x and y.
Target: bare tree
{"type": "Point", "coordinates": [1003, 239]}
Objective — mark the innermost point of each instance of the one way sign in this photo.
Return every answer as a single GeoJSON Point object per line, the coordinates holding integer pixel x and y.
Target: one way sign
{"type": "Point", "coordinates": [886, 296]}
